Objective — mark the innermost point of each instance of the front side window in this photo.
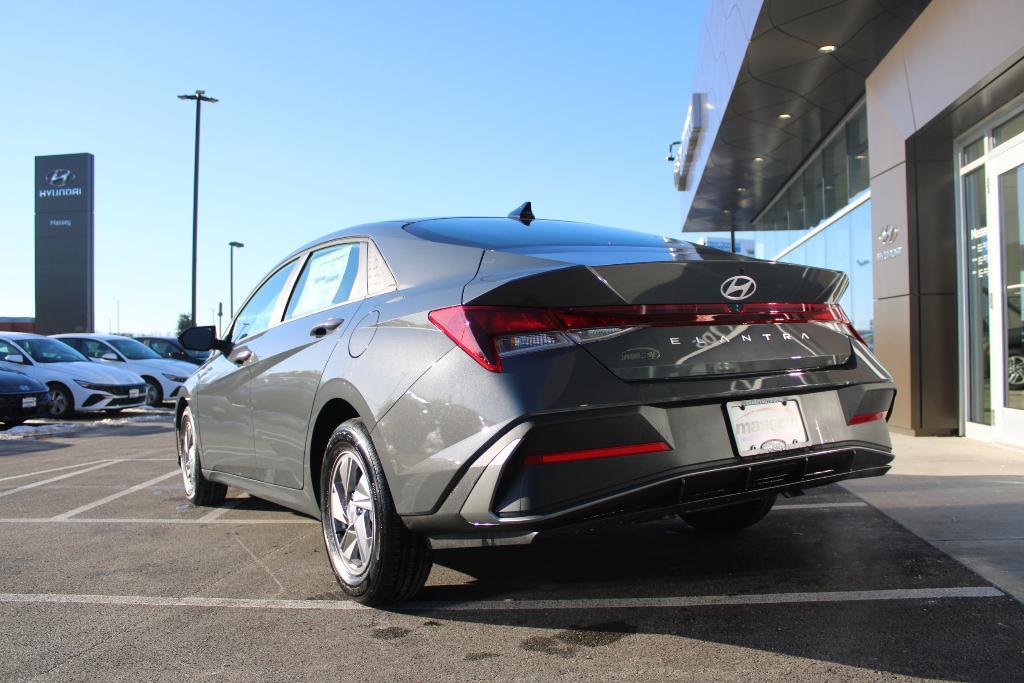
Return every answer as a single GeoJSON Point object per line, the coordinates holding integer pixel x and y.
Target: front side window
{"type": "Point", "coordinates": [8, 349]}
{"type": "Point", "coordinates": [328, 278]}
{"type": "Point", "coordinates": [43, 350]}
{"type": "Point", "coordinates": [255, 315]}
{"type": "Point", "coordinates": [134, 350]}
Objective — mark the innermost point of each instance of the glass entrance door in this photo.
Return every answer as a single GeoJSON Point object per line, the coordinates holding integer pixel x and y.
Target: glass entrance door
{"type": "Point", "coordinates": [1006, 206]}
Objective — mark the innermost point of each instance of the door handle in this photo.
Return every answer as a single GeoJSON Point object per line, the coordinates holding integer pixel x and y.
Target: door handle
{"type": "Point", "coordinates": [240, 356]}
{"type": "Point", "coordinates": [325, 327]}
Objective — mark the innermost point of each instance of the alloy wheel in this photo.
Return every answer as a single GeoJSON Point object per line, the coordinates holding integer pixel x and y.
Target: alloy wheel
{"type": "Point", "coordinates": [1015, 370]}
{"type": "Point", "coordinates": [352, 523]}
{"type": "Point", "coordinates": [58, 403]}
{"type": "Point", "coordinates": [188, 457]}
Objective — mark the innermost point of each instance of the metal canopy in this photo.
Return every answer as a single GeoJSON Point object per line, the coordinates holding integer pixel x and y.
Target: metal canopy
{"type": "Point", "coordinates": [755, 151]}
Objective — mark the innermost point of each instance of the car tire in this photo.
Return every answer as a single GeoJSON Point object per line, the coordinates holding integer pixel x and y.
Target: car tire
{"type": "Point", "coordinates": [198, 489]}
{"type": "Point", "coordinates": [62, 403]}
{"type": "Point", "coordinates": [731, 518]}
{"type": "Point", "coordinates": [374, 556]}
{"type": "Point", "coordinates": [154, 392]}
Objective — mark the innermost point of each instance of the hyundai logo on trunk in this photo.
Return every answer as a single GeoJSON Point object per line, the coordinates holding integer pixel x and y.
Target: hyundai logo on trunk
{"type": "Point", "coordinates": [739, 287]}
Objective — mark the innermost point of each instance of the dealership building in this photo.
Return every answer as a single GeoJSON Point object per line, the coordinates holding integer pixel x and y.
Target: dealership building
{"type": "Point", "coordinates": [884, 138]}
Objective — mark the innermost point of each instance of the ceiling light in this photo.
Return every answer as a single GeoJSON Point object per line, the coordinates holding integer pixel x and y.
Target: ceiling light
{"type": "Point", "coordinates": [785, 116]}
{"type": "Point", "coordinates": [741, 189]}
{"type": "Point", "coordinates": [827, 49]}
{"type": "Point", "coordinates": [758, 159]}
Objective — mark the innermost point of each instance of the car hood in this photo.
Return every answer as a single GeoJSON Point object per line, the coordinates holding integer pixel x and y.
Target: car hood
{"type": "Point", "coordinates": [15, 383]}
{"type": "Point", "coordinates": [166, 365]}
{"type": "Point", "coordinates": [88, 371]}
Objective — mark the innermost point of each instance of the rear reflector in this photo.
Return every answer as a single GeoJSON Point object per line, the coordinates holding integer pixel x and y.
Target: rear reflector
{"type": "Point", "coordinates": [595, 453]}
{"type": "Point", "coordinates": [867, 417]}
{"type": "Point", "coordinates": [487, 333]}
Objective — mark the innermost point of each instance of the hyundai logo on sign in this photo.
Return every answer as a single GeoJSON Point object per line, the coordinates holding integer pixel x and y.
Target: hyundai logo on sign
{"type": "Point", "coordinates": [59, 177]}
{"type": "Point", "coordinates": [739, 287]}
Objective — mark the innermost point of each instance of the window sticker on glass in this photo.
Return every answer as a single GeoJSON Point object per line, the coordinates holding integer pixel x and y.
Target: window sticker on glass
{"type": "Point", "coordinates": [325, 277]}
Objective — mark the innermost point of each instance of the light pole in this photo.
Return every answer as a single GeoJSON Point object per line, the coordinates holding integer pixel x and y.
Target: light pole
{"type": "Point", "coordinates": [199, 98]}
{"type": "Point", "coordinates": [231, 306]}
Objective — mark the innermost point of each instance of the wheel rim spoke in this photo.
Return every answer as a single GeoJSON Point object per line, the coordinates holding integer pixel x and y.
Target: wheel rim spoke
{"type": "Point", "coordinates": [363, 538]}
{"type": "Point", "coordinates": [338, 507]}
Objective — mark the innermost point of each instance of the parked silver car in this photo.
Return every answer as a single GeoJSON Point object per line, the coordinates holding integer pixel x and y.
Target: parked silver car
{"type": "Point", "coordinates": [475, 381]}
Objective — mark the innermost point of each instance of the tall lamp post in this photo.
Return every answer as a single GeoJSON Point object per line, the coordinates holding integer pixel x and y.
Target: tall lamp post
{"type": "Point", "coordinates": [231, 309]}
{"type": "Point", "coordinates": [199, 98]}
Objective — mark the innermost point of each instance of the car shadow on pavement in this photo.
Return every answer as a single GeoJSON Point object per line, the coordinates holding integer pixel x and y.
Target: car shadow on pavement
{"type": "Point", "coordinates": [842, 549]}
{"type": "Point", "coordinates": [24, 446]}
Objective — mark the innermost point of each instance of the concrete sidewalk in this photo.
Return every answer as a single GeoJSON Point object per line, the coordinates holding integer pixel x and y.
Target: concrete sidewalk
{"type": "Point", "coordinates": [965, 497]}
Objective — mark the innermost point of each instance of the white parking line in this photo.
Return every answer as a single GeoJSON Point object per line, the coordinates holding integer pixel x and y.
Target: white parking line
{"type": "Point", "coordinates": [53, 479]}
{"type": "Point", "coordinates": [115, 496]}
{"type": "Point", "coordinates": [228, 504]}
{"type": "Point", "coordinates": [153, 520]}
{"type": "Point", "coordinates": [819, 506]}
{"type": "Point", "coordinates": [515, 605]}
{"type": "Point", "coordinates": [52, 469]}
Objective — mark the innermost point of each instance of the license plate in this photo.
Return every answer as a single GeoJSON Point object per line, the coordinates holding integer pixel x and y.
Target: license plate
{"type": "Point", "coordinates": [133, 393]}
{"type": "Point", "coordinates": [29, 402]}
{"type": "Point", "coordinates": [767, 425]}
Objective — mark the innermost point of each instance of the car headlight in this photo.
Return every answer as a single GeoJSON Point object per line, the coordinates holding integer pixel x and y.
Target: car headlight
{"type": "Point", "coordinates": [175, 378]}
{"type": "Point", "coordinates": [89, 385]}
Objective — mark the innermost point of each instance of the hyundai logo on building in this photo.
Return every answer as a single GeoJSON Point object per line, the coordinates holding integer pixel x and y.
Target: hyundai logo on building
{"type": "Point", "coordinates": [58, 179]}
{"type": "Point", "coordinates": [739, 287]}
{"type": "Point", "coordinates": [888, 234]}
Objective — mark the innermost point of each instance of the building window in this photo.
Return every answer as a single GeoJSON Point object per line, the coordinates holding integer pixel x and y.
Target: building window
{"type": "Point", "coordinates": [832, 178]}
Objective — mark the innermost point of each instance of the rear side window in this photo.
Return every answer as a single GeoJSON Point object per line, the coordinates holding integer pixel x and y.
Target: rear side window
{"type": "Point", "coordinates": [329, 277]}
{"type": "Point", "coordinates": [255, 315]}
{"type": "Point", "coordinates": [161, 347]}
{"type": "Point", "coordinates": [87, 347]}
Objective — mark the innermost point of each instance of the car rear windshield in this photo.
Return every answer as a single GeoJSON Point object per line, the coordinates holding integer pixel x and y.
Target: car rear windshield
{"type": "Point", "coordinates": [133, 350]}
{"type": "Point", "coordinates": [50, 351]}
{"type": "Point", "coordinates": [505, 233]}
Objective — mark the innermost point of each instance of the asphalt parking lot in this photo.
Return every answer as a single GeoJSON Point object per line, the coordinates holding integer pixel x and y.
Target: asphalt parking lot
{"type": "Point", "coordinates": [107, 573]}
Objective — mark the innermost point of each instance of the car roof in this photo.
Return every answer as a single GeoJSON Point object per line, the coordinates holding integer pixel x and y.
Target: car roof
{"type": "Point", "coordinates": [489, 232]}
{"type": "Point", "coordinates": [22, 335]}
{"type": "Point", "coordinates": [90, 335]}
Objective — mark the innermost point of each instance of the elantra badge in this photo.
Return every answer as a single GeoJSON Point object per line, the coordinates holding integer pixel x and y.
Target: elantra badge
{"type": "Point", "coordinates": [739, 287]}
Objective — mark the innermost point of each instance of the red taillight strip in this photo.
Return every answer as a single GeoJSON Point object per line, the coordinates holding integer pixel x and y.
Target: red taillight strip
{"type": "Point", "coordinates": [595, 453]}
{"type": "Point", "coordinates": [662, 315]}
{"type": "Point", "coordinates": [866, 417]}
{"type": "Point", "coordinates": [474, 328]}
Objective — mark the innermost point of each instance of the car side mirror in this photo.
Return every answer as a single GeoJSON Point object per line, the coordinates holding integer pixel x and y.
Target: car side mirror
{"type": "Point", "coordinates": [15, 358]}
{"type": "Point", "coordinates": [109, 355]}
{"type": "Point", "coordinates": [204, 339]}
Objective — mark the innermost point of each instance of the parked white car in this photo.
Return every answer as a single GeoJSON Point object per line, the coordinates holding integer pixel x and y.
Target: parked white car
{"type": "Point", "coordinates": [75, 383]}
{"type": "Point", "coordinates": [163, 376]}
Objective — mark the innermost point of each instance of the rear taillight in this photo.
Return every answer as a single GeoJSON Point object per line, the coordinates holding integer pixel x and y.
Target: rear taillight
{"type": "Point", "coordinates": [489, 333]}
{"type": "Point", "coordinates": [866, 417]}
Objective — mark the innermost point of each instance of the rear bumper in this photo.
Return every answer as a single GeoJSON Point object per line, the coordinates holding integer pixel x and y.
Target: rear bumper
{"type": "Point", "coordinates": [698, 487]}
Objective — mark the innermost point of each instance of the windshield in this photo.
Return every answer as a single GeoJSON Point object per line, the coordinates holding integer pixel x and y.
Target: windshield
{"type": "Point", "coordinates": [133, 350]}
{"type": "Point", "coordinates": [50, 351]}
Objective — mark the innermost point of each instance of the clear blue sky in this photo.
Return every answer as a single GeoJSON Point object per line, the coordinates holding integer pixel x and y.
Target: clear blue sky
{"type": "Point", "coordinates": [331, 114]}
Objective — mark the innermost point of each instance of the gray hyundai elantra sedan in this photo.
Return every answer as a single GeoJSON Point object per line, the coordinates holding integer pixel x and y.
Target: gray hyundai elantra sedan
{"type": "Point", "coordinates": [463, 382]}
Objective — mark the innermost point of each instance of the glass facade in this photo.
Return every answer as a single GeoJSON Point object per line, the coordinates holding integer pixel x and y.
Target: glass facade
{"type": "Point", "coordinates": [833, 179]}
